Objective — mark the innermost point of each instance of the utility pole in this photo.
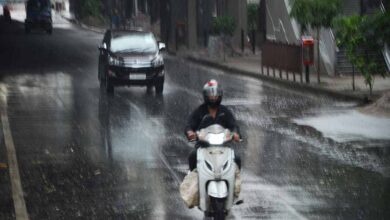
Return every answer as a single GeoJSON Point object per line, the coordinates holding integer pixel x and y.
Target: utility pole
{"type": "Point", "coordinates": [307, 54]}
{"type": "Point", "coordinates": [136, 8]}
{"type": "Point", "coordinates": [110, 14]}
{"type": "Point", "coordinates": [307, 74]}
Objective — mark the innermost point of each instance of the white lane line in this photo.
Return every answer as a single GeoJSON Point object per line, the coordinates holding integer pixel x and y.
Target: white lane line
{"type": "Point", "coordinates": [16, 186]}
{"type": "Point", "coordinates": [176, 178]}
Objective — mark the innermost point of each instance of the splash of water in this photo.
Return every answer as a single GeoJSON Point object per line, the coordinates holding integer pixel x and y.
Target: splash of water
{"type": "Point", "coordinates": [349, 126]}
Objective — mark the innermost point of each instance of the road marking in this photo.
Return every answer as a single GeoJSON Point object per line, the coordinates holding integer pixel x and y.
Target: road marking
{"type": "Point", "coordinates": [173, 173]}
{"type": "Point", "coordinates": [16, 185]}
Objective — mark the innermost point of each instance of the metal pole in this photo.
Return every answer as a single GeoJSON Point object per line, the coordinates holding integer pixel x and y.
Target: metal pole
{"type": "Point", "coordinates": [110, 14]}
{"type": "Point", "coordinates": [136, 8]}
{"type": "Point", "coordinates": [318, 56]}
{"type": "Point", "coordinates": [242, 40]}
{"type": "Point", "coordinates": [301, 76]}
{"type": "Point", "coordinates": [353, 77]}
{"type": "Point", "coordinates": [253, 42]}
{"type": "Point", "coordinates": [307, 74]}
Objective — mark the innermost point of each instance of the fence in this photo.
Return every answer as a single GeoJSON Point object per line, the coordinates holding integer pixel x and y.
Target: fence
{"type": "Point", "coordinates": [283, 57]}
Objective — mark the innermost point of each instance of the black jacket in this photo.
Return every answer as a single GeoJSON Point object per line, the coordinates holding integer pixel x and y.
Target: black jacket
{"type": "Point", "coordinates": [200, 118]}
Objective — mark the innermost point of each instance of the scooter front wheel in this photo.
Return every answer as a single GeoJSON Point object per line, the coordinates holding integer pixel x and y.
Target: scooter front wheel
{"type": "Point", "coordinates": [218, 208]}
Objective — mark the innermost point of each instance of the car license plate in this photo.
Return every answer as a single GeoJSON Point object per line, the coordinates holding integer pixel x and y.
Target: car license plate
{"type": "Point", "coordinates": [138, 76]}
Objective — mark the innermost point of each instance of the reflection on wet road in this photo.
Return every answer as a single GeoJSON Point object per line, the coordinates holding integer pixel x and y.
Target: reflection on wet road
{"type": "Point", "coordinates": [85, 155]}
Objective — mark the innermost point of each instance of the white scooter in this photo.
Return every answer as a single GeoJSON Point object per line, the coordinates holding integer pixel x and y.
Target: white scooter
{"type": "Point", "coordinates": [216, 169]}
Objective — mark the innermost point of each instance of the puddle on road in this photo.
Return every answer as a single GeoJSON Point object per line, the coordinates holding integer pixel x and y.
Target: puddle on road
{"type": "Point", "coordinates": [349, 126]}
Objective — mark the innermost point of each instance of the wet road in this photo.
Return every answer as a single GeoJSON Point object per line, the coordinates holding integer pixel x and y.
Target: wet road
{"type": "Point", "coordinates": [84, 155]}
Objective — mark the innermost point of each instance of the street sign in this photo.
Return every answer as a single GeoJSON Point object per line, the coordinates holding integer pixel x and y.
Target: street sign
{"type": "Point", "coordinates": [307, 50]}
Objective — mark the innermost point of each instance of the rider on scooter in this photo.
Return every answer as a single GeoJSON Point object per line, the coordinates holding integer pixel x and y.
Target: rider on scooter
{"type": "Point", "coordinates": [220, 114]}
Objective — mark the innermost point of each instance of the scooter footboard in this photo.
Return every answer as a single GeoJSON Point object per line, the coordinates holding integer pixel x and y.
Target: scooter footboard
{"type": "Point", "coordinates": [217, 189]}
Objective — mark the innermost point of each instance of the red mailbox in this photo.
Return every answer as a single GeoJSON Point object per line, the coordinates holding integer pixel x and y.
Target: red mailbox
{"type": "Point", "coordinates": [307, 50]}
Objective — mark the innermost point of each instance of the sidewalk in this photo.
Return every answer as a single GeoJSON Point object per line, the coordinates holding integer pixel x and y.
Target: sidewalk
{"type": "Point", "coordinates": [71, 18]}
{"type": "Point", "coordinates": [336, 86]}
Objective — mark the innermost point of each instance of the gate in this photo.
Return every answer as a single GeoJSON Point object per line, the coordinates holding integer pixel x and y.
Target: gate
{"type": "Point", "coordinates": [283, 58]}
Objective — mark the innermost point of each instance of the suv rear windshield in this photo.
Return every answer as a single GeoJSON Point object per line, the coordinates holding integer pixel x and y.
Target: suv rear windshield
{"type": "Point", "coordinates": [38, 4]}
{"type": "Point", "coordinates": [137, 43]}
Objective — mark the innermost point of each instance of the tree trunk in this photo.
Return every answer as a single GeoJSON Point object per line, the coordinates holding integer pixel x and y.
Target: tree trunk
{"type": "Point", "coordinates": [370, 89]}
{"type": "Point", "coordinates": [353, 77]}
{"type": "Point", "coordinates": [224, 47]}
{"type": "Point", "coordinates": [318, 56]}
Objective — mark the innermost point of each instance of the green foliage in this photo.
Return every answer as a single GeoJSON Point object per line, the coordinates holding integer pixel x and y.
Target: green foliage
{"type": "Point", "coordinates": [380, 24]}
{"type": "Point", "coordinates": [224, 25]}
{"type": "Point", "coordinates": [89, 8]}
{"type": "Point", "coordinates": [252, 17]}
{"type": "Point", "coordinates": [301, 11]}
{"type": "Point", "coordinates": [324, 12]}
{"type": "Point", "coordinates": [364, 38]}
{"type": "Point", "coordinates": [315, 13]}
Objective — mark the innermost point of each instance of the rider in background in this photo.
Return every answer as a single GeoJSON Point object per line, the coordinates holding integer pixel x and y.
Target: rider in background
{"type": "Point", "coordinates": [209, 113]}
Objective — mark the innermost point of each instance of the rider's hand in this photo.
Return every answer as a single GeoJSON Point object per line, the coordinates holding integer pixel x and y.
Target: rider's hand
{"type": "Point", "coordinates": [191, 135]}
{"type": "Point", "coordinates": [236, 137]}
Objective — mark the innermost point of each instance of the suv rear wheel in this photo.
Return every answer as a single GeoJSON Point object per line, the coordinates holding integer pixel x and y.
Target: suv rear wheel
{"type": "Point", "coordinates": [27, 29]}
{"type": "Point", "coordinates": [108, 85]}
{"type": "Point", "coordinates": [159, 87]}
{"type": "Point", "coordinates": [49, 30]}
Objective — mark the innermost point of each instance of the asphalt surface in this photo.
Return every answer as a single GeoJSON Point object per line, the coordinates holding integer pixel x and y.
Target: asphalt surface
{"type": "Point", "coordinates": [83, 154]}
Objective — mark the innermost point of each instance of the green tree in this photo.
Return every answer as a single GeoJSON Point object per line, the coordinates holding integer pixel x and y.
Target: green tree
{"type": "Point", "coordinates": [301, 12]}
{"type": "Point", "coordinates": [323, 14]}
{"type": "Point", "coordinates": [252, 17]}
{"type": "Point", "coordinates": [317, 14]}
{"type": "Point", "coordinates": [364, 38]}
{"type": "Point", "coordinates": [225, 27]}
{"type": "Point", "coordinates": [252, 11]}
{"type": "Point", "coordinates": [380, 24]}
{"type": "Point", "coordinates": [90, 8]}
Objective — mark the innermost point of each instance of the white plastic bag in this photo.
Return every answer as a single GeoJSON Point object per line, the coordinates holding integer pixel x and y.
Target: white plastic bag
{"type": "Point", "coordinates": [189, 189]}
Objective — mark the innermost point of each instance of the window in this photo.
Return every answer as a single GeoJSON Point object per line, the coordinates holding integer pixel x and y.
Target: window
{"type": "Point", "coordinates": [137, 43]}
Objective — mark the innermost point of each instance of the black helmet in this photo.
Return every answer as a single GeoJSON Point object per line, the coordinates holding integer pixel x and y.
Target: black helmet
{"type": "Point", "coordinates": [212, 93]}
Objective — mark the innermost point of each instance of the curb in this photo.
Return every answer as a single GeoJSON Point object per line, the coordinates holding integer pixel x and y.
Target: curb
{"type": "Point", "coordinates": [84, 26]}
{"type": "Point", "coordinates": [90, 28]}
{"type": "Point", "coordinates": [362, 99]}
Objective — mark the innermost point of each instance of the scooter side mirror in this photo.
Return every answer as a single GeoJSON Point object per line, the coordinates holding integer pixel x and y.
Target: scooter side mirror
{"type": "Point", "coordinates": [161, 46]}
{"type": "Point", "coordinates": [239, 202]}
{"type": "Point", "coordinates": [102, 47]}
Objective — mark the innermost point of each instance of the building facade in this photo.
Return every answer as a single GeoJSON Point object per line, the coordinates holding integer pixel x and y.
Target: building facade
{"type": "Point", "coordinates": [188, 23]}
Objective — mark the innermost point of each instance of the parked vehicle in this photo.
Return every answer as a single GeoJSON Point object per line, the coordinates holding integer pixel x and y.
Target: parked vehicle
{"type": "Point", "coordinates": [217, 171]}
{"type": "Point", "coordinates": [38, 16]}
{"type": "Point", "coordinates": [131, 58]}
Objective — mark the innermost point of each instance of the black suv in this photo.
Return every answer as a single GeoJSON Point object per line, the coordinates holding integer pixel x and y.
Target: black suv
{"type": "Point", "coordinates": [131, 58]}
{"type": "Point", "coordinates": [38, 15]}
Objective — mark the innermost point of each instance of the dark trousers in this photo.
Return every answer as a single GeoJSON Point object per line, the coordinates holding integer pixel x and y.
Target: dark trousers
{"type": "Point", "coordinates": [192, 159]}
